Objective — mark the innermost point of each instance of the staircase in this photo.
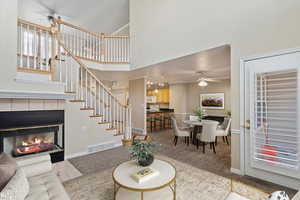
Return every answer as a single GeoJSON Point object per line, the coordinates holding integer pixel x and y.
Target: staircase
{"type": "Point", "coordinates": [57, 53]}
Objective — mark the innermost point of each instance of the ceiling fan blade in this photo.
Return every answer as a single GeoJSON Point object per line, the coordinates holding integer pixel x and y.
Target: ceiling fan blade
{"type": "Point", "coordinates": [212, 80]}
{"type": "Point", "coordinates": [50, 11]}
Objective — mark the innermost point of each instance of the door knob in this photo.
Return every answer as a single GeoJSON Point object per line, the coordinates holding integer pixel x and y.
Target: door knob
{"type": "Point", "coordinates": [247, 124]}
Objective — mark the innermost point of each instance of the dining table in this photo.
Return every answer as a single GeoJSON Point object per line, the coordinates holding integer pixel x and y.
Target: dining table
{"type": "Point", "coordinates": [197, 125]}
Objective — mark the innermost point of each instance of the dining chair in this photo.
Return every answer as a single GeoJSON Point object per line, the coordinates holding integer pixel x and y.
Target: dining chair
{"type": "Point", "coordinates": [223, 130]}
{"type": "Point", "coordinates": [180, 132]}
{"type": "Point", "coordinates": [208, 134]}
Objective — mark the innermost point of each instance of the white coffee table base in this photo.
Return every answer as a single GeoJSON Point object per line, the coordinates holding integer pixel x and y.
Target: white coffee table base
{"type": "Point", "coordinates": [164, 193]}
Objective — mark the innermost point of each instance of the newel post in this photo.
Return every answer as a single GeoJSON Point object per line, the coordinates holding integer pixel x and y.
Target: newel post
{"type": "Point", "coordinates": [127, 140]}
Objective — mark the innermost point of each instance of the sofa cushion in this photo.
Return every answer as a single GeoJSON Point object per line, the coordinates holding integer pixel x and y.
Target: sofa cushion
{"type": "Point", "coordinates": [235, 196]}
{"type": "Point", "coordinates": [8, 167]}
{"type": "Point", "coordinates": [17, 188]}
{"type": "Point", "coordinates": [46, 186]}
{"type": "Point", "coordinates": [297, 196]}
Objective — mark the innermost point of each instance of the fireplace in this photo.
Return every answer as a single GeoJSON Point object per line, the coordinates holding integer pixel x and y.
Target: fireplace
{"type": "Point", "coordinates": [25, 133]}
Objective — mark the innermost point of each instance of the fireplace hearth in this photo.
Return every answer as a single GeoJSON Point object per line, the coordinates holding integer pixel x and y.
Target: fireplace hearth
{"type": "Point", "coordinates": [39, 132]}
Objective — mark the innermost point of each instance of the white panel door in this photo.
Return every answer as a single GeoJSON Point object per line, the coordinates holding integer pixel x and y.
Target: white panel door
{"type": "Point", "coordinates": [272, 111]}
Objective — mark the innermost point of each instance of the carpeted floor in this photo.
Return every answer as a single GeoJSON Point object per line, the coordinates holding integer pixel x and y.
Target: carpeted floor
{"type": "Point", "coordinates": [218, 164]}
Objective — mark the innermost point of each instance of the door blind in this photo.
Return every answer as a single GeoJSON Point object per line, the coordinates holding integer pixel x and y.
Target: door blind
{"type": "Point", "coordinates": [275, 136]}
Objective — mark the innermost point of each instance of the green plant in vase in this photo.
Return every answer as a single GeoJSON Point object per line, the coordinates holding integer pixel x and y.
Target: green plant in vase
{"type": "Point", "coordinates": [228, 113]}
{"type": "Point", "coordinates": [143, 152]}
{"type": "Point", "coordinates": [200, 113]}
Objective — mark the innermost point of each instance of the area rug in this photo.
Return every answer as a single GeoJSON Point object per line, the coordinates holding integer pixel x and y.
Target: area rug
{"type": "Point", "coordinates": [194, 183]}
{"type": "Point", "coordinates": [66, 171]}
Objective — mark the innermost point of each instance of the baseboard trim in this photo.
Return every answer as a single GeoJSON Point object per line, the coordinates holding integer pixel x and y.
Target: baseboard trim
{"type": "Point", "coordinates": [79, 154]}
{"type": "Point", "coordinates": [236, 171]}
{"type": "Point", "coordinates": [75, 155]}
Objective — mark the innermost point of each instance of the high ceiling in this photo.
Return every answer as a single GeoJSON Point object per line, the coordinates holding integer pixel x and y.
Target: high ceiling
{"type": "Point", "coordinates": [95, 15]}
{"type": "Point", "coordinates": [214, 62]}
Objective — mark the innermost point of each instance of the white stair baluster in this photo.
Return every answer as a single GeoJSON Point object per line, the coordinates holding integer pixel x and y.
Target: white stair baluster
{"type": "Point", "coordinates": [86, 91]}
{"type": "Point", "coordinates": [47, 51]}
{"type": "Point", "coordinates": [99, 99]}
{"type": "Point", "coordinates": [102, 103]}
{"type": "Point", "coordinates": [27, 47]}
{"type": "Point", "coordinates": [81, 81]}
{"type": "Point", "coordinates": [110, 111]}
{"type": "Point", "coordinates": [21, 45]}
{"type": "Point", "coordinates": [35, 48]}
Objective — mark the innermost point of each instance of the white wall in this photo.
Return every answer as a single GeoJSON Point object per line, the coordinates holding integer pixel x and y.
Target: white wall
{"type": "Point", "coordinates": [162, 30]}
{"type": "Point", "coordinates": [81, 131]}
{"type": "Point", "coordinates": [185, 97]}
{"type": "Point", "coordinates": [194, 91]}
{"type": "Point", "coordinates": [178, 98]}
{"type": "Point", "coordinates": [137, 100]}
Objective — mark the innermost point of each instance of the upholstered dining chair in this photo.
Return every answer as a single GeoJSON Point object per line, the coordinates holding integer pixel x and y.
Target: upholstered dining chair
{"type": "Point", "coordinates": [208, 134]}
{"type": "Point", "coordinates": [223, 130]}
{"type": "Point", "coordinates": [183, 132]}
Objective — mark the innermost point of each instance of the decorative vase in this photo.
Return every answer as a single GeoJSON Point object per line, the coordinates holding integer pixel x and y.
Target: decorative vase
{"type": "Point", "coordinates": [147, 162]}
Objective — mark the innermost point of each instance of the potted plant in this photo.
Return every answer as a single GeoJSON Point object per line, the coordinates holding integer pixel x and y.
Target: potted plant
{"type": "Point", "coordinates": [143, 152]}
{"type": "Point", "coordinates": [228, 113]}
{"type": "Point", "coordinates": [200, 113]}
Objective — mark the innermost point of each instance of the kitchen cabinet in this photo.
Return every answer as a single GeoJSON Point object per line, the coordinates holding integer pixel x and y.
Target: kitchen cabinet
{"type": "Point", "coordinates": [162, 96]}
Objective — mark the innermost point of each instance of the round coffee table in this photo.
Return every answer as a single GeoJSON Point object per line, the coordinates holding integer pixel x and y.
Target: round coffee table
{"type": "Point", "coordinates": [162, 186]}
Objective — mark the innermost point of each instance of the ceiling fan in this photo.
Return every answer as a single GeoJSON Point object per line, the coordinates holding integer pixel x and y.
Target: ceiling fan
{"type": "Point", "coordinates": [48, 12]}
{"type": "Point", "coordinates": [203, 80]}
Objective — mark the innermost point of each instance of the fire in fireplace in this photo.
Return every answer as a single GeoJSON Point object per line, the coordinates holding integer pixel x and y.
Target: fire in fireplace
{"type": "Point", "coordinates": [34, 145]}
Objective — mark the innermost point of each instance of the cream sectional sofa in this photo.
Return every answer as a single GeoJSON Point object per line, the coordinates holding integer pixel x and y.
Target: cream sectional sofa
{"type": "Point", "coordinates": [34, 180]}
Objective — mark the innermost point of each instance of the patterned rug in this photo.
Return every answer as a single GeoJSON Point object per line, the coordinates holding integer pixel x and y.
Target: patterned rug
{"type": "Point", "coordinates": [195, 183]}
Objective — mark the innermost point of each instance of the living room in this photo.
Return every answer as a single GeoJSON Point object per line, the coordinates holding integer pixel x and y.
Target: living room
{"type": "Point", "coordinates": [70, 133]}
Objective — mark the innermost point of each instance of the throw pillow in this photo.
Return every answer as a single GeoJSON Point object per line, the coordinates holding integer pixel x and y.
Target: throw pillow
{"type": "Point", "coordinates": [17, 188]}
{"type": "Point", "coordinates": [279, 195]}
{"type": "Point", "coordinates": [8, 167]}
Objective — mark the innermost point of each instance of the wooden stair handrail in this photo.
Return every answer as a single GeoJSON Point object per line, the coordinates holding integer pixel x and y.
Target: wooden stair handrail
{"type": "Point", "coordinates": [45, 28]}
{"type": "Point", "coordinates": [60, 21]}
{"type": "Point", "coordinates": [81, 64]}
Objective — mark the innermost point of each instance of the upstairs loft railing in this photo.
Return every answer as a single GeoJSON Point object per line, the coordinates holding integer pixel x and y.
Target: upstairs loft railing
{"type": "Point", "coordinates": [97, 47]}
{"type": "Point", "coordinates": [35, 49]}
{"type": "Point", "coordinates": [37, 46]}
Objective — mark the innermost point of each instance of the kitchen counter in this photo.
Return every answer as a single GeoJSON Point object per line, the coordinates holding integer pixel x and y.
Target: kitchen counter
{"type": "Point", "coordinates": [160, 111]}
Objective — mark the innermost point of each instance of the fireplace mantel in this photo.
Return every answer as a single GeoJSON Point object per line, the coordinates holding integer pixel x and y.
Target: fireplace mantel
{"type": "Point", "coordinates": [21, 94]}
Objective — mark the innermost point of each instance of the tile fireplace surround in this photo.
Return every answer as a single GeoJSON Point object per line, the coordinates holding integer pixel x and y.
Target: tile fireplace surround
{"type": "Point", "coordinates": [12, 101]}
{"type": "Point", "coordinates": [31, 104]}
{"type": "Point", "coordinates": [32, 100]}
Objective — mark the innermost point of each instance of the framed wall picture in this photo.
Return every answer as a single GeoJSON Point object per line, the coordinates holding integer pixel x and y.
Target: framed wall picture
{"type": "Point", "coordinates": [212, 101]}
